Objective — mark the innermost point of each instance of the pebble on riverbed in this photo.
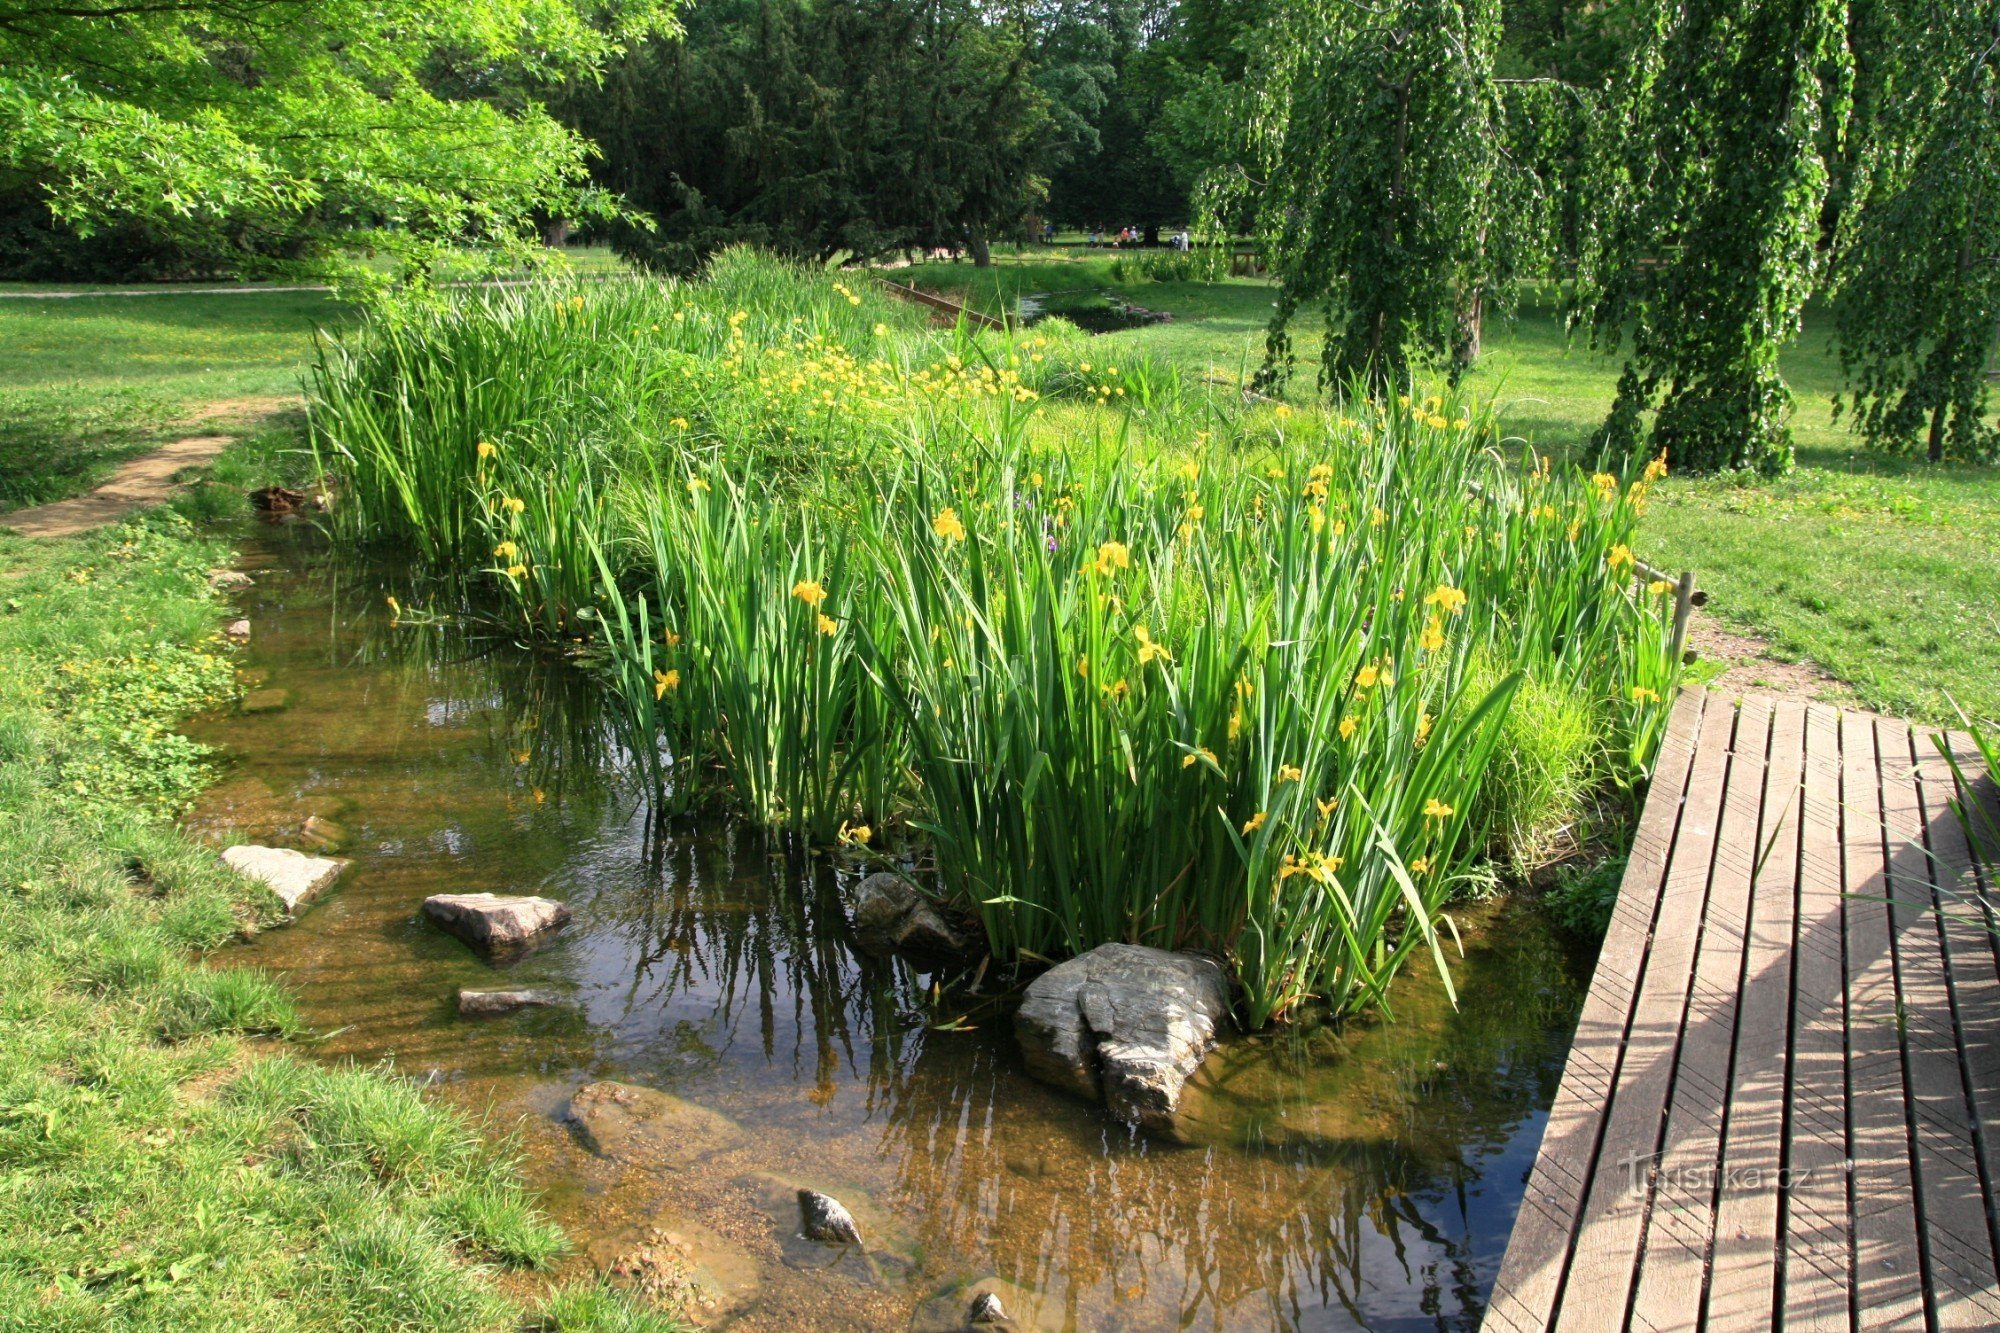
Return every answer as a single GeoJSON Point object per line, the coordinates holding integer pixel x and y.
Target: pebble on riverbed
{"type": "Point", "coordinates": [493, 921]}
{"type": "Point", "coordinates": [295, 877]}
{"type": "Point", "coordinates": [822, 1218]}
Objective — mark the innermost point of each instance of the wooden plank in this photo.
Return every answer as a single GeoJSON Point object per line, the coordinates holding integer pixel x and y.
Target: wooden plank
{"type": "Point", "coordinates": [1815, 1277]}
{"type": "Point", "coordinates": [1888, 1277]}
{"type": "Point", "coordinates": [1596, 1293]}
{"type": "Point", "coordinates": [1744, 1282]}
{"type": "Point", "coordinates": [1680, 1224]}
{"type": "Point", "coordinates": [1531, 1273]}
{"type": "Point", "coordinates": [1941, 1001]}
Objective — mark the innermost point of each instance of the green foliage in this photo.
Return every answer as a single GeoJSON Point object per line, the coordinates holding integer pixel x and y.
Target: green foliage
{"type": "Point", "coordinates": [1584, 896]}
{"type": "Point", "coordinates": [1920, 292]}
{"type": "Point", "coordinates": [1126, 661]}
{"type": "Point", "coordinates": [1709, 183]}
{"type": "Point", "coordinates": [1547, 766]}
{"type": "Point", "coordinates": [322, 124]}
{"type": "Point", "coordinates": [821, 130]}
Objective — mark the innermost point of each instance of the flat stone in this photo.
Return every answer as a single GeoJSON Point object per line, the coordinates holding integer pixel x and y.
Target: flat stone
{"type": "Point", "coordinates": [267, 701]}
{"type": "Point", "coordinates": [295, 877]}
{"type": "Point", "coordinates": [237, 629]}
{"type": "Point", "coordinates": [892, 915]}
{"type": "Point", "coordinates": [228, 580]}
{"type": "Point", "coordinates": [480, 1003]}
{"type": "Point", "coordinates": [495, 921]}
{"type": "Point", "coordinates": [647, 1127]}
{"type": "Point", "coordinates": [1125, 1025]}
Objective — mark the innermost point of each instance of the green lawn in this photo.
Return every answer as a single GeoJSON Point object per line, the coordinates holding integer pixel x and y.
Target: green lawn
{"type": "Point", "coordinates": [1885, 572]}
{"type": "Point", "coordinates": [88, 381]}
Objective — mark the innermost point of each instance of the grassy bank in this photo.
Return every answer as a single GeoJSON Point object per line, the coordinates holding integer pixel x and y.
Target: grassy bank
{"type": "Point", "coordinates": [1884, 571]}
{"type": "Point", "coordinates": [87, 382]}
{"type": "Point", "coordinates": [169, 1163]}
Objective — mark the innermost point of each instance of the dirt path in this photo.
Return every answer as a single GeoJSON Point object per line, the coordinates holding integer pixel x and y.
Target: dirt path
{"type": "Point", "coordinates": [147, 480]}
{"type": "Point", "coordinates": [1749, 668]}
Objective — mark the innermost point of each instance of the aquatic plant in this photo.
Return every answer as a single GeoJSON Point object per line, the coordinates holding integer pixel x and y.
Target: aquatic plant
{"type": "Point", "coordinates": [1154, 666]}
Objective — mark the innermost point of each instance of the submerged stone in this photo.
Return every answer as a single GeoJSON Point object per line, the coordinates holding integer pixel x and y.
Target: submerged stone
{"type": "Point", "coordinates": [267, 701]}
{"type": "Point", "coordinates": [324, 834]}
{"type": "Point", "coordinates": [295, 877]}
{"type": "Point", "coordinates": [823, 1218]}
{"type": "Point", "coordinates": [683, 1266]}
{"type": "Point", "coordinates": [496, 921]}
{"type": "Point", "coordinates": [480, 1003]}
{"type": "Point", "coordinates": [646, 1127]}
{"type": "Point", "coordinates": [892, 915]}
{"type": "Point", "coordinates": [1126, 1025]}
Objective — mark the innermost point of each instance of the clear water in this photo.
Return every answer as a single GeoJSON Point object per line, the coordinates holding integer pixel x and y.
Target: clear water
{"type": "Point", "coordinates": [1357, 1177]}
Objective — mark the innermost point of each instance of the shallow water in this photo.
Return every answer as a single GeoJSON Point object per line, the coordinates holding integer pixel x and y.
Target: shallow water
{"type": "Point", "coordinates": [1359, 1177]}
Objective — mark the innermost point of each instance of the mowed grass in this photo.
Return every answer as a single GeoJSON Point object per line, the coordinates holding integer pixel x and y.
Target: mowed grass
{"type": "Point", "coordinates": [89, 381]}
{"type": "Point", "coordinates": [1885, 571]}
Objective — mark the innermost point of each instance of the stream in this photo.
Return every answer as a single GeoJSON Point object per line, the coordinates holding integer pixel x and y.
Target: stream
{"type": "Point", "coordinates": [1340, 1177]}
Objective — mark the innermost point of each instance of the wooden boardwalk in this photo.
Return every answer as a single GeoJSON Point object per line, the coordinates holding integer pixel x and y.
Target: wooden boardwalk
{"type": "Point", "coordinates": [1782, 1108]}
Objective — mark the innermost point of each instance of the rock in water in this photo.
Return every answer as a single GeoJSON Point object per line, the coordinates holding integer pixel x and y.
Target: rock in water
{"type": "Point", "coordinates": [237, 629]}
{"type": "Point", "coordinates": [648, 1128]}
{"type": "Point", "coordinates": [495, 921]}
{"type": "Point", "coordinates": [227, 580]}
{"type": "Point", "coordinates": [822, 1218]}
{"type": "Point", "coordinates": [892, 915]}
{"type": "Point", "coordinates": [295, 877]}
{"type": "Point", "coordinates": [479, 1003]}
{"type": "Point", "coordinates": [986, 1310]}
{"type": "Point", "coordinates": [1124, 1024]}
{"type": "Point", "coordinates": [268, 700]}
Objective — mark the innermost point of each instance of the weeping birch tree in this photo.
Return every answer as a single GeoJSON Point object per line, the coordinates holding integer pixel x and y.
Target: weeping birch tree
{"type": "Point", "coordinates": [1396, 179]}
{"type": "Point", "coordinates": [1708, 199]}
{"type": "Point", "coordinates": [1919, 297]}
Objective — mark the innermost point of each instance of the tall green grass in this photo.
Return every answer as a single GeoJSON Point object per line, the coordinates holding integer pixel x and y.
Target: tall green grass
{"type": "Point", "coordinates": [1123, 659]}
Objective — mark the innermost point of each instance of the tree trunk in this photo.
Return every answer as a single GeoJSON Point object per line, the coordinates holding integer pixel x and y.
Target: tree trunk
{"type": "Point", "coordinates": [1936, 450]}
{"type": "Point", "coordinates": [976, 246]}
{"type": "Point", "coordinates": [1471, 323]}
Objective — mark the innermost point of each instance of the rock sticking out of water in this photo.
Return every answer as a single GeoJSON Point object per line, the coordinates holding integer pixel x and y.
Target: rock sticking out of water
{"type": "Point", "coordinates": [892, 915]}
{"type": "Point", "coordinates": [822, 1218]}
{"type": "Point", "coordinates": [228, 580]}
{"type": "Point", "coordinates": [323, 834]}
{"type": "Point", "coordinates": [295, 877]}
{"type": "Point", "coordinates": [988, 1303]}
{"type": "Point", "coordinates": [1126, 1025]}
{"type": "Point", "coordinates": [493, 921]}
{"type": "Point", "coordinates": [648, 1128]}
{"type": "Point", "coordinates": [237, 629]}
{"type": "Point", "coordinates": [480, 1003]}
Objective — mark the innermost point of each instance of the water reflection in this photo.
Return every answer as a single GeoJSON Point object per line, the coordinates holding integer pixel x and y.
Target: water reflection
{"type": "Point", "coordinates": [1362, 1176]}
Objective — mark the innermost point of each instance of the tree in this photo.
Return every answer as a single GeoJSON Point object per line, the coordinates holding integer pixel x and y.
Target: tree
{"type": "Point", "coordinates": [1375, 138]}
{"type": "Point", "coordinates": [403, 125]}
{"type": "Point", "coordinates": [823, 130]}
{"type": "Point", "coordinates": [1919, 296]}
{"type": "Point", "coordinates": [1709, 202]}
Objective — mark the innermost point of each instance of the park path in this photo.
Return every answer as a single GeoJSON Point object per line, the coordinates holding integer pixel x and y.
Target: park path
{"type": "Point", "coordinates": [146, 480]}
{"type": "Point", "coordinates": [1783, 1100]}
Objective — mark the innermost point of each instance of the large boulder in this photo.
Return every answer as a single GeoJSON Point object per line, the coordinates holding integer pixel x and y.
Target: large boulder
{"type": "Point", "coordinates": [892, 915]}
{"type": "Point", "coordinates": [648, 1128]}
{"type": "Point", "coordinates": [493, 921]}
{"type": "Point", "coordinates": [1125, 1025]}
{"type": "Point", "coordinates": [295, 877]}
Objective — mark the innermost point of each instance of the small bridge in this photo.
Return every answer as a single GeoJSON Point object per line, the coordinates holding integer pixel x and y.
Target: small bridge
{"type": "Point", "coordinates": [1782, 1108]}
